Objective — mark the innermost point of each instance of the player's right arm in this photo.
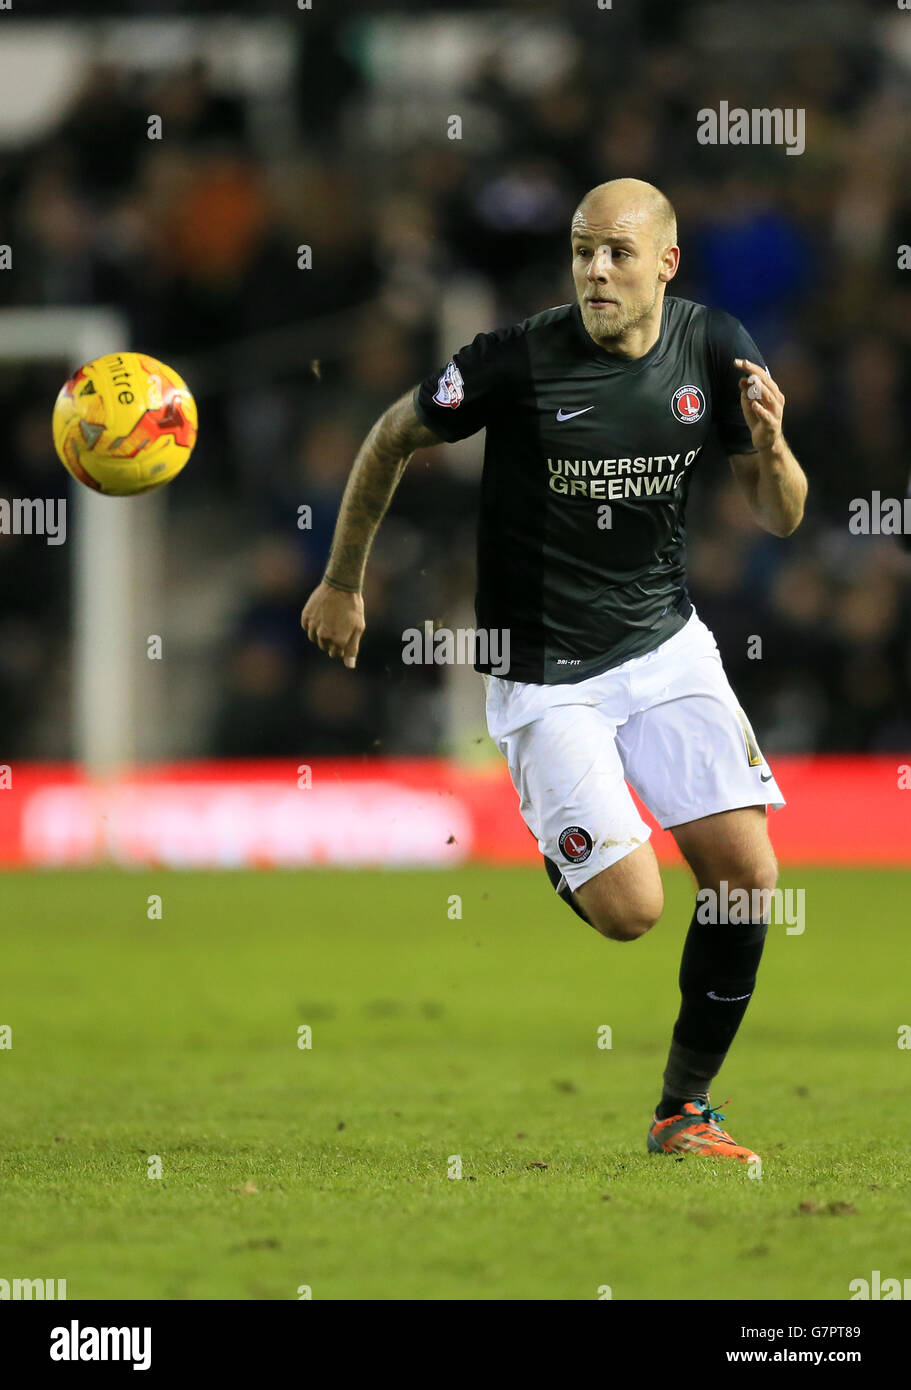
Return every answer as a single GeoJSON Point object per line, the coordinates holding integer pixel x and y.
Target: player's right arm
{"type": "Point", "coordinates": [333, 616]}
{"type": "Point", "coordinates": [448, 405]}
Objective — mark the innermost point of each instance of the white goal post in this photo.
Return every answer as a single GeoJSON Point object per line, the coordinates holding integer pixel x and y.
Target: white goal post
{"type": "Point", "coordinates": [117, 545]}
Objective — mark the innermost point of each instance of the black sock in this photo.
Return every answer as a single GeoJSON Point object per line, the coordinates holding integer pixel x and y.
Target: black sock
{"type": "Point", "coordinates": [555, 874]}
{"type": "Point", "coordinates": [671, 1105]}
{"type": "Point", "coordinates": [717, 978]}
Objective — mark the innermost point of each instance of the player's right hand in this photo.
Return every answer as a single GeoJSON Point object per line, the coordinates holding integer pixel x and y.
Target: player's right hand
{"type": "Point", "coordinates": [335, 622]}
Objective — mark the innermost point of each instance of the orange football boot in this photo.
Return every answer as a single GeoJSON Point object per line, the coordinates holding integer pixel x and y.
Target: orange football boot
{"type": "Point", "coordinates": [697, 1130]}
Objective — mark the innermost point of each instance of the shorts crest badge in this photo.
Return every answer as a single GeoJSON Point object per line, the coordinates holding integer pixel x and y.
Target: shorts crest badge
{"type": "Point", "coordinates": [575, 844]}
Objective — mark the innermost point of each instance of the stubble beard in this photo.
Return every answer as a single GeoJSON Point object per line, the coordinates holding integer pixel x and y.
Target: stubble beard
{"type": "Point", "coordinates": [608, 326]}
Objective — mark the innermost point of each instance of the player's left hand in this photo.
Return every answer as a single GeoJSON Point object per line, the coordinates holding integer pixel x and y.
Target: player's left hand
{"type": "Point", "coordinates": [762, 404]}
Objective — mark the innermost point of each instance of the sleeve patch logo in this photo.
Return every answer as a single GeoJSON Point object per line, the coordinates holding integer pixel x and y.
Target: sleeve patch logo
{"type": "Point", "coordinates": [688, 405]}
{"type": "Point", "coordinates": [451, 388]}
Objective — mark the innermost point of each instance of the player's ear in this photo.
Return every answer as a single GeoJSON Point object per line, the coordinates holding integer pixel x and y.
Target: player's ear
{"type": "Point", "coordinates": [669, 263]}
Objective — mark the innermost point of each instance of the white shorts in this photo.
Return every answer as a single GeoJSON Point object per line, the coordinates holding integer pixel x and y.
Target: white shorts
{"type": "Point", "coordinates": [667, 722]}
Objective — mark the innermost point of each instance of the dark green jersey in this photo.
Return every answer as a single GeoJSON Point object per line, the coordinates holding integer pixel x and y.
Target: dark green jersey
{"type": "Point", "coordinates": [587, 462]}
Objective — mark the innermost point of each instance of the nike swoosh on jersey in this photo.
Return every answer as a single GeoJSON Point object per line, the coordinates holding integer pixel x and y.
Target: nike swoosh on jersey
{"type": "Point", "coordinates": [763, 778]}
{"type": "Point", "coordinates": [571, 414]}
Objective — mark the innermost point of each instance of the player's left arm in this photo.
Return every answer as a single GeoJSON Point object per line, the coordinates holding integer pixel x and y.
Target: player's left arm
{"type": "Point", "coordinates": [773, 480]}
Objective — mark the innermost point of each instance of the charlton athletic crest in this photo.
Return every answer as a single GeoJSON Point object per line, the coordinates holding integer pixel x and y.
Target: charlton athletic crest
{"type": "Point", "coordinates": [451, 388]}
{"type": "Point", "coordinates": [575, 844]}
{"type": "Point", "coordinates": [688, 404]}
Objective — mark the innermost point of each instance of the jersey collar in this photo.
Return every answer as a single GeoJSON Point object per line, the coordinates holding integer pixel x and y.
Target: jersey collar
{"type": "Point", "coordinates": [613, 359]}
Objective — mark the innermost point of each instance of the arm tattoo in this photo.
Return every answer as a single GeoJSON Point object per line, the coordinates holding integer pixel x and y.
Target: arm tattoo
{"type": "Point", "coordinates": [381, 461]}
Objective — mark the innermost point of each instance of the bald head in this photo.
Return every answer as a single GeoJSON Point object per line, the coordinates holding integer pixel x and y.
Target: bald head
{"type": "Point", "coordinates": [624, 246]}
{"type": "Point", "coordinates": [632, 204]}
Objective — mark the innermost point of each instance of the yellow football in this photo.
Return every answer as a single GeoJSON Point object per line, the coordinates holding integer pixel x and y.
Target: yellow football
{"type": "Point", "coordinates": [124, 423]}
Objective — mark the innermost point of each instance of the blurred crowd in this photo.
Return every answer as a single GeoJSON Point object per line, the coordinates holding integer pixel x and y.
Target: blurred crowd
{"type": "Point", "coordinates": [195, 237]}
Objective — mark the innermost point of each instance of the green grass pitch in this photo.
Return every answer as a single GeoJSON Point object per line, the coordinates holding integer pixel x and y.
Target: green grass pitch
{"type": "Point", "coordinates": [434, 1037]}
